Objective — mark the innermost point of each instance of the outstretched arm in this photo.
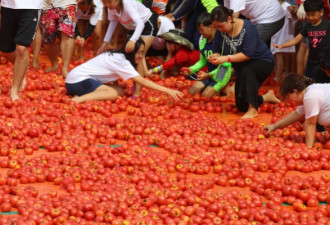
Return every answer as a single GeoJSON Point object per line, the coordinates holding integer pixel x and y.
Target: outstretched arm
{"type": "Point", "coordinates": [289, 119]}
{"type": "Point", "coordinates": [310, 127]}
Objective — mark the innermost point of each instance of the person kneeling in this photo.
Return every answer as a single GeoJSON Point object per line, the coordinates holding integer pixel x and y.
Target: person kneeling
{"type": "Point", "coordinates": [89, 80]}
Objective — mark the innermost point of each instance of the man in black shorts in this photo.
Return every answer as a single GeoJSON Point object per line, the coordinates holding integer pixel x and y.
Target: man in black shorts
{"type": "Point", "coordinates": [18, 28]}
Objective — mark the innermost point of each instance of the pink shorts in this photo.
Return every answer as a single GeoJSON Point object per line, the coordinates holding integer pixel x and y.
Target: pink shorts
{"type": "Point", "coordinates": [56, 20]}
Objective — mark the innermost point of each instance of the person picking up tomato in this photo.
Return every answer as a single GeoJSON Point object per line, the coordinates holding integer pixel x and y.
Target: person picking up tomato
{"type": "Point", "coordinates": [313, 101]}
{"type": "Point", "coordinates": [89, 81]}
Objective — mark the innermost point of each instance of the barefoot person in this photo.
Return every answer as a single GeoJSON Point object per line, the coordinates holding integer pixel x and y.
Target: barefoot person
{"type": "Point", "coordinates": [90, 81]}
{"type": "Point", "coordinates": [58, 19]}
{"type": "Point", "coordinates": [314, 101]}
{"type": "Point", "coordinates": [18, 27]}
{"type": "Point", "coordinates": [253, 62]}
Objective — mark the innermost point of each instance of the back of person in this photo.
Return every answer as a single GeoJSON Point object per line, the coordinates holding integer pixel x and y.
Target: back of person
{"type": "Point", "coordinates": [257, 11]}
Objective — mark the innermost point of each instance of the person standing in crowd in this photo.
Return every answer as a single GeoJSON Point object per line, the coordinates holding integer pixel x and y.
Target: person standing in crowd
{"type": "Point", "coordinates": [267, 15]}
{"type": "Point", "coordinates": [313, 101]}
{"type": "Point", "coordinates": [59, 19]}
{"type": "Point", "coordinates": [239, 43]}
{"type": "Point", "coordinates": [317, 30]}
{"type": "Point", "coordinates": [18, 27]}
{"type": "Point", "coordinates": [283, 35]}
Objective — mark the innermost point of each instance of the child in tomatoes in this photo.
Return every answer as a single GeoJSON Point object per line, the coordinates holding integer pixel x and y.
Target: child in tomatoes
{"type": "Point", "coordinates": [181, 49]}
{"type": "Point", "coordinates": [90, 80]}
{"type": "Point", "coordinates": [206, 82]}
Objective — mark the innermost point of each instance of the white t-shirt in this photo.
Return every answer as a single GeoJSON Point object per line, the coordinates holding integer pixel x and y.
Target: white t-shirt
{"type": "Point", "coordinates": [317, 102]}
{"type": "Point", "coordinates": [286, 33]}
{"type": "Point", "coordinates": [132, 17]}
{"type": "Point", "coordinates": [93, 18]}
{"type": "Point", "coordinates": [105, 68]}
{"type": "Point", "coordinates": [165, 25]}
{"type": "Point", "coordinates": [22, 4]}
{"type": "Point", "coordinates": [58, 3]}
{"type": "Point", "coordinates": [257, 11]}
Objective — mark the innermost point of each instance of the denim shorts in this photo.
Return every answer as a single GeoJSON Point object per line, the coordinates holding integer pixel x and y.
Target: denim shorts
{"type": "Point", "coordinates": [83, 87]}
{"type": "Point", "coordinates": [209, 82]}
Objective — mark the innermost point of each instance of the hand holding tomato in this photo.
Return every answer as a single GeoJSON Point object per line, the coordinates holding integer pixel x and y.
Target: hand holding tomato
{"type": "Point", "coordinates": [175, 94]}
{"type": "Point", "coordinates": [185, 71]}
{"type": "Point", "coordinates": [130, 46]}
{"type": "Point", "coordinates": [217, 59]}
{"type": "Point", "coordinates": [201, 75]}
{"type": "Point", "coordinates": [80, 41]}
{"type": "Point", "coordinates": [269, 128]}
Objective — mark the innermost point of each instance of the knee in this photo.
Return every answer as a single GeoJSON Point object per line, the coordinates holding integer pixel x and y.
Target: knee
{"type": "Point", "coordinates": [22, 51]}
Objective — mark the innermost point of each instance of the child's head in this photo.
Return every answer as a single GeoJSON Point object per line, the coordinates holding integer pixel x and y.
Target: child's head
{"type": "Point", "coordinates": [314, 10]}
{"type": "Point", "coordinates": [204, 25]}
{"type": "Point", "coordinates": [86, 5]}
{"type": "Point", "coordinates": [134, 57]}
{"type": "Point", "coordinates": [324, 60]}
{"type": "Point", "coordinates": [112, 4]}
{"type": "Point", "coordinates": [175, 40]}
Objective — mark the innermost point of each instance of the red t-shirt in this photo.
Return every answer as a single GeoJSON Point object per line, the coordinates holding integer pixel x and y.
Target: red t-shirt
{"type": "Point", "coordinates": [184, 58]}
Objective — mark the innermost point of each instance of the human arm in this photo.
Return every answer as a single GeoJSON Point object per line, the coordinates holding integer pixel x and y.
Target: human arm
{"type": "Point", "coordinates": [190, 5]}
{"type": "Point", "coordinates": [290, 43]}
{"type": "Point", "coordinates": [149, 84]}
{"type": "Point", "coordinates": [111, 29]}
{"type": "Point", "coordinates": [310, 128]}
{"type": "Point", "coordinates": [133, 13]}
{"type": "Point", "coordinates": [199, 64]}
{"type": "Point", "coordinates": [218, 59]}
{"type": "Point", "coordinates": [289, 119]}
{"type": "Point", "coordinates": [90, 29]}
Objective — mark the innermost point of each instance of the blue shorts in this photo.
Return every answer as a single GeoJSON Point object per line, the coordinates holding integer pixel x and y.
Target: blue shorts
{"type": "Point", "coordinates": [83, 87]}
{"type": "Point", "coordinates": [209, 82]}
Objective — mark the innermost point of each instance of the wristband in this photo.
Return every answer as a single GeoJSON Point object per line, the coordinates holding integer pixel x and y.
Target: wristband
{"type": "Point", "coordinates": [157, 69]}
{"type": "Point", "coordinates": [229, 58]}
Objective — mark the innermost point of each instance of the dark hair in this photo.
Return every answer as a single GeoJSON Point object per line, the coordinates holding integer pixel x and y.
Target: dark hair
{"type": "Point", "coordinates": [313, 5]}
{"type": "Point", "coordinates": [129, 56]}
{"type": "Point", "coordinates": [221, 13]}
{"type": "Point", "coordinates": [294, 81]}
{"type": "Point", "coordinates": [91, 4]}
{"type": "Point", "coordinates": [324, 58]}
{"type": "Point", "coordinates": [204, 19]}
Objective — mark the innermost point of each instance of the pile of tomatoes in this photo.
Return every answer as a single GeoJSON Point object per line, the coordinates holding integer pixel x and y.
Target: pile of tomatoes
{"type": "Point", "coordinates": [151, 160]}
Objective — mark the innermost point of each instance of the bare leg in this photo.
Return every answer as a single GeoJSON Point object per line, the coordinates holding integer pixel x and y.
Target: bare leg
{"type": "Point", "coordinates": [67, 46]}
{"type": "Point", "coordinates": [196, 88]}
{"type": "Point", "coordinates": [279, 66]}
{"type": "Point", "coordinates": [53, 52]}
{"type": "Point", "coordinates": [104, 92]}
{"type": "Point", "coordinates": [148, 41]}
{"type": "Point", "coordinates": [78, 49]}
{"type": "Point", "coordinates": [209, 92]}
{"type": "Point", "coordinates": [20, 67]}
{"type": "Point", "coordinates": [36, 48]}
{"type": "Point", "coordinates": [301, 54]}
{"type": "Point", "coordinates": [97, 37]}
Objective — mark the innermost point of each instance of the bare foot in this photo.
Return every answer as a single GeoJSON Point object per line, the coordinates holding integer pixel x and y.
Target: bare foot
{"type": "Point", "coordinates": [251, 113]}
{"type": "Point", "coordinates": [52, 68]}
{"type": "Point", "coordinates": [23, 84]}
{"type": "Point", "coordinates": [14, 95]}
{"type": "Point", "coordinates": [270, 97]}
{"type": "Point", "coordinates": [65, 72]}
{"type": "Point", "coordinates": [229, 89]}
{"type": "Point", "coordinates": [76, 99]}
{"type": "Point", "coordinates": [35, 63]}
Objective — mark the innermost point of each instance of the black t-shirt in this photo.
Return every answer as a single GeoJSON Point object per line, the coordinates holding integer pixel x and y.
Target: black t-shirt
{"type": "Point", "coordinates": [319, 38]}
{"type": "Point", "coordinates": [247, 42]}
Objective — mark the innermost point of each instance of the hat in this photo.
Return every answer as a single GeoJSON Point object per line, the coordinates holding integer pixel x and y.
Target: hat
{"type": "Point", "coordinates": [177, 36]}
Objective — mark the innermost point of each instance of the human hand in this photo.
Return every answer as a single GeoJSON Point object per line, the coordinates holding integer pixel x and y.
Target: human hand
{"type": "Point", "coordinates": [277, 46]}
{"type": "Point", "coordinates": [130, 46]}
{"type": "Point", "coordinates": [292, 9]}
{"type": "Point", "coordinates": [80, 41]}
{"type": "Point", "coordinates": [175, 94]}
{"type": "Point", "coordinates": [185, 71]}
{"type": "Point", "coordinates": [269, 128]}
{"type": "Point", "coordinates": [102, 48]}
{"type": "Point", "coordinates": [148, 73]}
{"type": "Point", "coordinates": [301, 12]}
{"type": "Point", "coordinates": [201, 75]}
{"type": "Point", "coordinates": [217, 59]}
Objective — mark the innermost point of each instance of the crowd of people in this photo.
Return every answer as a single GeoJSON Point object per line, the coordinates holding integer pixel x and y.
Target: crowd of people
{"type": "Point", "coordinates": [210, 41]}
